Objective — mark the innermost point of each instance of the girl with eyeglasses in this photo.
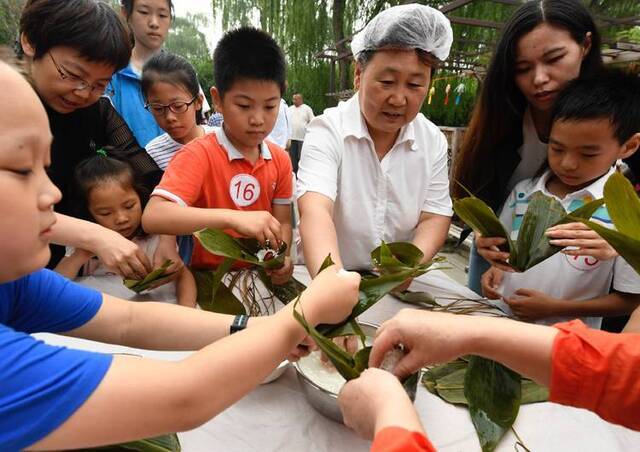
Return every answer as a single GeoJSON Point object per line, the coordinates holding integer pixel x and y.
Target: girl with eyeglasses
{"type": "Point", "coordinates": [172, 93]}
{"type": "Point", "coordinates": [71, 49]}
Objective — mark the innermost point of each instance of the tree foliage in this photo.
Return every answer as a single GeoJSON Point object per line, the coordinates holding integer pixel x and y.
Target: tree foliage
{"type": "Point", "coordinates": [9, 20]}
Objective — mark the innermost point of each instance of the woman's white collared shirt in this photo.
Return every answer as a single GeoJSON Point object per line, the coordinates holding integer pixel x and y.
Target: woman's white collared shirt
{"type": "Point", "coordinates": [374, 199]}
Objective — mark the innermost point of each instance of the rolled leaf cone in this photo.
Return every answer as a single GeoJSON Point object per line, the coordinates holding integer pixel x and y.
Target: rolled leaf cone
{"type": "Point", "coordinates": [154, 277]}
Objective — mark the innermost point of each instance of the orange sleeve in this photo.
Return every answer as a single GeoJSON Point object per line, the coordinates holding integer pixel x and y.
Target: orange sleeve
{"type": "Point", "coordinates": [598, 371]}
{"type": "Point", "coordinates": [182, 181]}
{"type": "Point", "coordinates": [284, 185]}
{"type": "Point", "coordinates": [397, 439]}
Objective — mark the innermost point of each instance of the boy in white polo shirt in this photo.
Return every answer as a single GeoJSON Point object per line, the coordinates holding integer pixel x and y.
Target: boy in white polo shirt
{"type": "Point", "coordinates": [596, 121]}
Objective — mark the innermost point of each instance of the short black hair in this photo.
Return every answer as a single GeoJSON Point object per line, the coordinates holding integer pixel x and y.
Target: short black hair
{"type": "Point", "coordinates": [248, 53]}
{"type": "Point", "coordinates": [611, 94]}
{"type": "Point", "coordinates": [100, 169]}
{"type": "Point", "coordinates": [171, 68]}
{"type": "Point", "coordinates": [91, 27]}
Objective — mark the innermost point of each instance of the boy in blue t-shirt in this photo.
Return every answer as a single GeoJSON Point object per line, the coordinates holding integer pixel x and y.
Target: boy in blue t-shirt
{"type": "Point", "coordinates": [59, 398]}
{"type": "Point", "coordinates": [596, 121]}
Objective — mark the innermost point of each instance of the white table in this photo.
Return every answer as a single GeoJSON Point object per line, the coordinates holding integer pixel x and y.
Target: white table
{"type": "Point", "coordinates": [277, 417]}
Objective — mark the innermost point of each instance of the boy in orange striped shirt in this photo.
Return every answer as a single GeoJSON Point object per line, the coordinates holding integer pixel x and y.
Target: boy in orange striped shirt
{"type": "Point", "coordinates": [233, 179]}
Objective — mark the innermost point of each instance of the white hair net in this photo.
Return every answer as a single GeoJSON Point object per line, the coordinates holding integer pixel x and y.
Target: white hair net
{"type": "Point", "coordinates": [406, 27]}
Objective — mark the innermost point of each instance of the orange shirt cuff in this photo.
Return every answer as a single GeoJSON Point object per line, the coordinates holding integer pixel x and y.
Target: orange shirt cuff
{"type": "Point", "coordinates": [398, 439]}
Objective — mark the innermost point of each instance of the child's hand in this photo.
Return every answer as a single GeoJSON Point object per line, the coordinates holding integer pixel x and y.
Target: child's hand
{"type": "Point", "coordinates": [490, 281]}
{"type": "Point", "coordinates": [374, 401]}
{"type": "Point", "coordinates": [283, 274]}
{"type": "Point", "coordinates": [529, 305]}
{"type": "Point", "coordinates": [121, 255]}
{"type": "Point", "coordinates": [260, 225]}
{"type": "Point", "coordinates": [331, 296]}
{"type": "Point", "coordinates": [167, 250]}
{"type": "Point", "coordinates": [579, 235]}
{"type": "Point", "coordinates": [488, 248]}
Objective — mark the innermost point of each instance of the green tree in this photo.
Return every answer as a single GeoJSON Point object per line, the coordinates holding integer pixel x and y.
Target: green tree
{"type": "Point", "coordinates": [9, 20]}
{"type": "Point", "coordinates": [186, 39]}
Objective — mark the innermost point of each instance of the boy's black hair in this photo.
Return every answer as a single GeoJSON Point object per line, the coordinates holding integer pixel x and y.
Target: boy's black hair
{"type": "Point", "coordinates": [248, 53]}
{"type": "Point", "coordinates": [90, 27]}
{"type": "Point", "coordinates": [127, 6]}
{"type": "Point", "coordinates": [611, 94]}
{"type": "Point", "coordinates": [100, 169]}
{"type": "Point", "coordinates": [174, 69]}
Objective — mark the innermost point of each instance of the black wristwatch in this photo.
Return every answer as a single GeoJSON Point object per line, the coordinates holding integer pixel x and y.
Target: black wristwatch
{"type": "Point", "coordinates": [239, 323]}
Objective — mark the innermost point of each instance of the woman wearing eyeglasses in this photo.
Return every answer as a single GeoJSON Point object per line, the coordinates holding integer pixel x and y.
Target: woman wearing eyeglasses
{"type": "Point", "coordinates": [71, 49]}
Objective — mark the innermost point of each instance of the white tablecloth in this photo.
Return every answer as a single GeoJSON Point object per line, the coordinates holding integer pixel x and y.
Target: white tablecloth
{"type": "Point", "coordinates": [277, 417]}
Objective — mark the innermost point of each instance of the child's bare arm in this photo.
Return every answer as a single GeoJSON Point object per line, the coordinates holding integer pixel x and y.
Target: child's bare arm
{"type": "Point", "coordinates": [136, 388]}
{"type": "Point", "coordinates": [528, 304]}
{"type": "Point", "coordinates": [69, 266]}
{"type": "Point", "coordinates": [162, 216]}
{"type": "Point", "coordinates": [282, 213]}
{"type": "Point", "coordinates": [186, 290]}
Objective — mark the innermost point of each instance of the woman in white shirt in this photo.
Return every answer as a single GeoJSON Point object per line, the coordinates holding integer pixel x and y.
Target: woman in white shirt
{"type": "Point", "coordinates": [373, 168]}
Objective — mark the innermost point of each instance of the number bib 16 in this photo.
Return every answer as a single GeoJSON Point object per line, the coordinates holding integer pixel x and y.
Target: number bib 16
{"type": "Point", "coordinates": [244, 189]}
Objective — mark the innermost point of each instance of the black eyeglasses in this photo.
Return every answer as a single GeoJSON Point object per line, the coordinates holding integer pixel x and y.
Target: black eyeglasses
{"type": "Point", "coordinates": [175, 107]}
{"type": "Point", "coordinates": [80, 84]}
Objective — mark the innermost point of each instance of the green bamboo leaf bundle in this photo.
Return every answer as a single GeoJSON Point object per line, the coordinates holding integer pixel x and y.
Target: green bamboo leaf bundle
{"type": "Point", "coordinates": [532, 246]}
{"type": "Point", "coordinates": [623, 206]}
{"type": "Point", "coordinates": [165, 443]}
{"type": "Point", "coordinates": [155, 277]}
{"type": "Point", "coordinates": [396, 262]}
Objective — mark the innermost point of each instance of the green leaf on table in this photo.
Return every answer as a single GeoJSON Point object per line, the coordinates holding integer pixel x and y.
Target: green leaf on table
{"type": "Point", "coordinates": [216, 297]}
{"type": "Point", "coordinates": [494, 393]}
{"type": "Point", "coordinates": [154, 277]}
{"type": "Point", "coordinates": [532, 246]}
{"type": "Point", "coordinates": [165, 443]}
{"type": "Point", "coordinates": [447, 382]}
{"type": "Point", "coordinates": [417, 298]}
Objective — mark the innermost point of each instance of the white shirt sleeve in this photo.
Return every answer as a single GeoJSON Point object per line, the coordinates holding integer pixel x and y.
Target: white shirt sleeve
{"type": "Point", "coordinates": [438, 200]}
{"type": "Point", "coordinates": [625, 278]}
{"type": "Point", "coordinates": [320, 160]}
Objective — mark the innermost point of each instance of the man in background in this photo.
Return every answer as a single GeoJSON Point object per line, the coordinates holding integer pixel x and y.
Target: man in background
{"type": "Point", "coordinates": [300, 114]}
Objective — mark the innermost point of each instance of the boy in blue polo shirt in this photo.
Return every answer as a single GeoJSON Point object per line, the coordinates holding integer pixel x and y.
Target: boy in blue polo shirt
{"type": "Point", "coordinates": [596, 122]}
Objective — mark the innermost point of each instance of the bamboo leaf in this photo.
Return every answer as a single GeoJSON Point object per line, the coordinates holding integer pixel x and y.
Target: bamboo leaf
{"type": "Point", "coordinates": [361, 359]}
{"type": "Point", "coordinates": [153, 277]}
{"type": "Point", "coordinates": [239, 249]}
{"type": "Point", "coordinates": [224, 301]}
{"type": "Point", "coordinates": [623, 205]}
{"type": "Point", "coordinates": [396, 256]}
{"type": "Point", "coordinates": [286, 292]}
{"type": "Point", "coordinates": [626, 246]}
{"type": "Point", "coordinates": [327, 262]}
{"type": "Point", "coordinates": [479, 216]}
{"type": "Point", "coordinates": [165, 443]}
{"type": "Point", "coordinates": [343, 362]}
{"type": "Point", "coordinates": [494, 393]}
{"type": "Point", "coordinates": [417, 298]}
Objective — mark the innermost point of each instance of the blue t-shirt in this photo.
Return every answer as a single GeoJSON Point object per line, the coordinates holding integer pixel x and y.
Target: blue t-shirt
{"type": "Point", "coordinates": [42, 385]}
{"type": "Point", "coordinates": [128, 100]}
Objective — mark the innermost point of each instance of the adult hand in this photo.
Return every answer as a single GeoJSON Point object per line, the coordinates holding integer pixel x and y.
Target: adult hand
{"type": "Point", "coordinates": [529, 304]}
{"type": "Point", "coordinates": [120, 254]}
{"type": "Point", "coordinates": [490, 282]}
{"type": "Point", "coordinates": [331, 296]}
{"type": "Point", "coordinates": [586, 241]}
{"type": "Point", "coordinates": [258, 224]}
{"type": "Point", "coordinates": [427, 337]}
{"type": "Point", "coordinates": [283, 274]}
{"type": "Point", "coordinates": [374, 401]}
{"type": "Point", "coordinates": [487, 247]}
